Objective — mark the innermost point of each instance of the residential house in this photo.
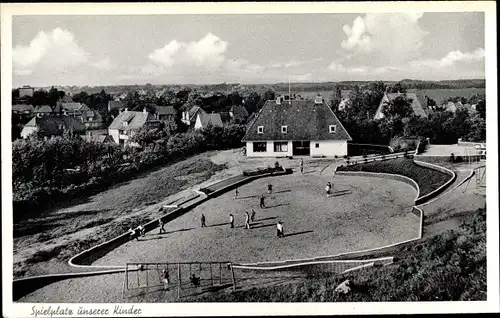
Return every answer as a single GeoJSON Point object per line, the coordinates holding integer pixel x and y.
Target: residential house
{"type": "Point", "coordinates": [26, 91]}
{"type": "Point", "coordinates": [43, 110]}
{"type": "Point", "coordinates": [238, 113]}
{"type": "Point", "coordinates": [189, 116]}
{"type": "Point", "coordinates": [203, 120]}
{"type": "Point", "coordinates": [127, 123]}
{"type": "Point", "coordinates": [92, 119]}
{"type": "Point", "coordinates": [296, 128]}
{"type": "Point", "coordinates": [71, 109]}
{"type": "Point", "coordinates": [115, 104]}
{"type": "Point", "coordinates": [389, 97]}
{"type": "Point", "coordinates": [52, 125]}
{"type": "Point", "coordinates": [165, 112]}
{"type": "Point", "coordinates": [98, 138]}
{"type": "Point", "coordinates": [23, 110]}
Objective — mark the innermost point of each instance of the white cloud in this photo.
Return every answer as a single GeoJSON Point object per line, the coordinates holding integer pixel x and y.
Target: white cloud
{"type": "Point", "coordinates": [105, 64]}
{"type": "Point", "coordinates": [340, 68]}
{"type": "Point", "coordinates": [451, 59]}
{"type": "Point", "coordinates": [55, 50]}
{"type": "Point", "coordinates": [206, 53]}
{"type": "Point", "coordinates": [386, 37]}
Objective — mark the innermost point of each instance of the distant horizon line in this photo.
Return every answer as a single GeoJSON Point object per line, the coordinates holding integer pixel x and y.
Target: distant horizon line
{"type": "Point", "coordinates": [254, 84]}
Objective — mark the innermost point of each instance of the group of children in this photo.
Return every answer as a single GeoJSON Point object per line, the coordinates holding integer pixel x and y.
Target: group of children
{"type": "Point", "coordinates": [138, 231]}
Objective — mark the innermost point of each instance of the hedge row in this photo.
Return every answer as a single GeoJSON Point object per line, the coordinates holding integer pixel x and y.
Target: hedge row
{"type": "Point", "coordinates": [427, 179]}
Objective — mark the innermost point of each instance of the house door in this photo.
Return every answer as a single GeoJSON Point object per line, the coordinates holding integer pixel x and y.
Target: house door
{"type": "Point", "coordinates": [301, 148]}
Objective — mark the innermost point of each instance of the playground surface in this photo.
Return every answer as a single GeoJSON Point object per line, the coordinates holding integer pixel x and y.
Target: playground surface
{"type": "Point", "coordinates": [362, 213]}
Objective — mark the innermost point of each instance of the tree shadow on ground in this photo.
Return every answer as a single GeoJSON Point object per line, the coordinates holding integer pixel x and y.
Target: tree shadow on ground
{"type": "Point", "coordinates": [298, 233]}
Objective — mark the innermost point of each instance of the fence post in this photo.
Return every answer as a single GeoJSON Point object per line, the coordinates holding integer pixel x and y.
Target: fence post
{"type": "Point", "coordinates": [234, 279]}
{"type": "Point", "coordinates": [220, 274]}
{"type": "Point", "coordinates": [147, 278]}
{"type": "Point", "coordinates": [179, 280]}
{"type": "Point", "coordinates": [211, 277]}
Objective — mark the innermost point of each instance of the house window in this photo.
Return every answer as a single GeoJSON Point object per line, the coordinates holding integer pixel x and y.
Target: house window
{"type": "Point", "coordinates": [333, 129]}
{"type": "Point", "coordinates": [284, 129]}
{"type": "Point", "coordinates": [281, 146]}
{"type": "Point", "coordinates": [124, 132]}
{"type": "Point", "coordinates": [317, 145]}
{"type": "Point", "coordinates": [259, 147]}
{"type": "Point", "coordinates": [260, 129]}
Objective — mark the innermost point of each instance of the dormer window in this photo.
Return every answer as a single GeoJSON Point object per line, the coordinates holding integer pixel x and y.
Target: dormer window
{"type": "Point", "coordinates": [260, 129]}
{"type": "Point", "coordinates": [284, 129]}
{"type": "Point", "coordinates": [333, 129]}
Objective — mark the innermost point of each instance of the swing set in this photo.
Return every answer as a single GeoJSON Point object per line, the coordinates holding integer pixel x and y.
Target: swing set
{"type": "Point", "coordinates": [190, 275]}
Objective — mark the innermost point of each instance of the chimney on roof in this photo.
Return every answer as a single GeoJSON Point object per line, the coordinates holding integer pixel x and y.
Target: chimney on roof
{"type": "Point", "coordinates": [318, 99]}
{"type": "Point", "coordinates": [126, 109]}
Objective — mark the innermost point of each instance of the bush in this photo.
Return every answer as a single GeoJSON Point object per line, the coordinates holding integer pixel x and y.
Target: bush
{"type": "Point", "coordinates": [403, 144]}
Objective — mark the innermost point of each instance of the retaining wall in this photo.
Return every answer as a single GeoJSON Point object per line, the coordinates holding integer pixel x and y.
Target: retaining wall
{"type": "Point", "coordinates": [439, 190]}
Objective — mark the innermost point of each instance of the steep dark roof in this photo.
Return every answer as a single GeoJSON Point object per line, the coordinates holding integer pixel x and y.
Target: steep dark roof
{"type": "Point", "coordinates": [239, 112]}
{"type": "Point", "coordinates": [135, 120]}
{"type": "Point", "coordinates": [49, 125]}
{"type": "Point", "coordinates": [165, 110]}
{"type": "Point", "coordinates": [72, 107]}
{"type": "Point", "coordinates": [305, 120]}
{"type": "Point", "coordinates": [415, 104]}
{"type": "Point", "coordinates": [194, 111]}
{"type": "Point", "coordinates": [210, 119]}
{"type": "Point", "coordinates": [115, 104]}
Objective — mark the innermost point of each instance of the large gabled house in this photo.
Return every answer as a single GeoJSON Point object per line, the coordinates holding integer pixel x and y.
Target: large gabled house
{"type": "Point", "coordinates": [71, 109]}
{"type": "Point", "coordinates": [127, 123]}
{"type": "Point", "coordinates": [296, 128]}
{"type": "Point", "coordinates": [52, 125]}
{"type": "Point", "coordinates": [416, 106]}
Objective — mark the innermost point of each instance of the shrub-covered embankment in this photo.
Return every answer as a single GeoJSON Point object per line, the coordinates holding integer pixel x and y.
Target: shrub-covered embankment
{"type": "Point", "coordinates": [427, 179]}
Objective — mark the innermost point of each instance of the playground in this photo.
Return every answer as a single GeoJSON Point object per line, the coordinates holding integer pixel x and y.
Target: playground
{"type": "Point", "coordinates": [361, 213]}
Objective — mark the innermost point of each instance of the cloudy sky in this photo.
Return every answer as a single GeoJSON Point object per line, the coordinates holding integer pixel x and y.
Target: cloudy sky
{"type": "Point", "coordinates": [197, 49]}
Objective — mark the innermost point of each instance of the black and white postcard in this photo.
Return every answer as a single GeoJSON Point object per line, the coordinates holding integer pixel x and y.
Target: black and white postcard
{"type": "Point", "coordinates": [173, 159]}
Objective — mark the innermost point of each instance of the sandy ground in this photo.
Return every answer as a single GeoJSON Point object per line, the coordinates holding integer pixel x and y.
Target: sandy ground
{"type": "Point", "coordinates": [371, 213]}
{"type": "Point", "coordinates": [315, 226]}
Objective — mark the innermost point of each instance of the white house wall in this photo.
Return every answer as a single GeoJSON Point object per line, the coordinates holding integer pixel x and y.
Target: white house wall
{"type": "Point", "coordinates": [115, 134]}
{"type": "Point", "coordinates": [329, 148]}
{"type": "Point", "coordinates": [269, 150]}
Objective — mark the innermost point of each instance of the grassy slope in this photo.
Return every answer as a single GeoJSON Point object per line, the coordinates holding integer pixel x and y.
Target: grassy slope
{"type": "Point", "coordinates": [427, 179]}
{"type": "Point", "coordinates": [104, 216]}
{"type": "Point", "coordinates": [450, 266]}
